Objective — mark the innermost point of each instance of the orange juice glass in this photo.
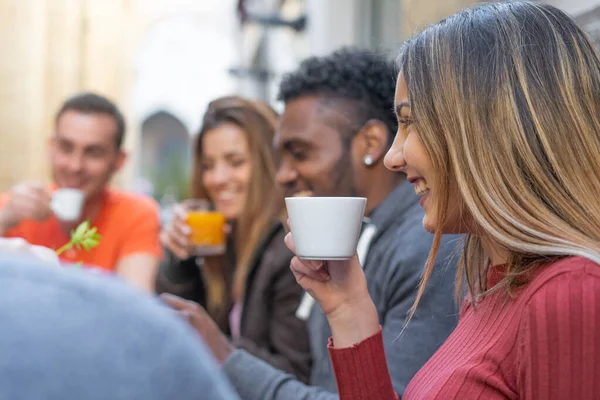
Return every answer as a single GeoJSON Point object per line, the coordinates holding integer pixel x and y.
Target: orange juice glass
{"type": "Point", "coordinates": [207, 236]}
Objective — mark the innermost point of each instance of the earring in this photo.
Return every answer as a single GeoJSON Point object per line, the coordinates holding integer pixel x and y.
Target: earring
{"type": "Point", "coordinates": [368, 160]}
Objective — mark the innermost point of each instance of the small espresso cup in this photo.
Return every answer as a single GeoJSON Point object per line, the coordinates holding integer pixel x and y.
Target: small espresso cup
{"type": "Point", "coordinates": [326, 228]}
{"type": "Point", "coordinates": [207, 237]}
{"type": "Point", "coordinates": [67, 204]}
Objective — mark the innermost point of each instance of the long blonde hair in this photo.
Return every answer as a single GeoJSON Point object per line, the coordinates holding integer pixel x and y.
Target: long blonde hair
{"type": "Point", "coordinates": [263, 204]}
{"type": "Point", "coordinates": [506, 99]}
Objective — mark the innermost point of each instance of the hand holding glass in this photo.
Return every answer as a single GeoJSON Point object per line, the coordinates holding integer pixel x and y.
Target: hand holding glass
{"type": "Point", "coordinates": [207, 237]}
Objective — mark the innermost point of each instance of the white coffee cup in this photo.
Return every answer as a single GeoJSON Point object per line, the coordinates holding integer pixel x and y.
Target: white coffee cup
{"type": "Point", "coordinates": [67, 204]}
{"type": "Point", "coordinates": [326, 228]}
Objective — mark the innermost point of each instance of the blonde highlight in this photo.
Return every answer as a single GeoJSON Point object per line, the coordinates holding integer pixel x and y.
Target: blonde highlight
{"type": "Point", "coordinates": [505, 100]}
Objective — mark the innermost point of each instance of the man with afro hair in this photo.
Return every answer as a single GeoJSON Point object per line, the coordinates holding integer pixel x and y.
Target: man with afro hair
{"type": "Point", "coordinates": [336, 128]}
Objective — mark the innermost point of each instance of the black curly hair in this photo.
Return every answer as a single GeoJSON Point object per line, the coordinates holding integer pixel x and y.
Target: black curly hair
{"type": "Point", "coordinates": [360, 81]}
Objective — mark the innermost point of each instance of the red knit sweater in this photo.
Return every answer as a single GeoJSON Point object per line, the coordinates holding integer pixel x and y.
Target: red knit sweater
{"type": "Point", "coordinates": [542, 344]}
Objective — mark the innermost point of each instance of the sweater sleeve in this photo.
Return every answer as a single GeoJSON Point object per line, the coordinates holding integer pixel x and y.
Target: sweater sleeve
{"type": "Point", "coordinates": [559, 349]}
{"type": "Point", "coordinates": [361, 371]}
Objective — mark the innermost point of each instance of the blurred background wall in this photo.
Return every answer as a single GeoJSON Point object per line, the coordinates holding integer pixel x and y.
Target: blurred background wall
{"type": "Point", "coordinates": [163, 60]}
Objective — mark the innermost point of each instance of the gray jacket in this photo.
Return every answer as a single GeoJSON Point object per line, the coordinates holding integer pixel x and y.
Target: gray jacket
{"type": "Point", "coordinates": [393, 267]}
{"type": "Point", "coordinates": [70, 334]}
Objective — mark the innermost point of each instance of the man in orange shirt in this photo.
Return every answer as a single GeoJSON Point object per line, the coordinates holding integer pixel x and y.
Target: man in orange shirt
{"type": "Point", "coordinates": [85, 152]}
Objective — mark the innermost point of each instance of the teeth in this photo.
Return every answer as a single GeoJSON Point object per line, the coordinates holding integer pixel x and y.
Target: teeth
{"type": "Point", "coordinates": [420, 187]}
{"type": "Point", "coordinates": [226, 196]}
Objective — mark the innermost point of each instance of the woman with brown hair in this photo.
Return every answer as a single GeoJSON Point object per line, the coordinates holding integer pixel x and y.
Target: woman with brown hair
{"type": "Point", "coordinates": [248, 291]}
{"type": "Point", "coordinates": [499, 132]}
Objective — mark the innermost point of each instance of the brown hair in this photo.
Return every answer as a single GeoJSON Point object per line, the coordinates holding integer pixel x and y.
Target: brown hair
{"type": "Point", "coordinates": [505, 98]}
{"type": "Point", "coordinates": [263, 204]}
{"type": "Point", "coordinates": [91, 103]}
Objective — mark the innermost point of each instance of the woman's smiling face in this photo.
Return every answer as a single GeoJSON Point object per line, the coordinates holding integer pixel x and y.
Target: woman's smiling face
{"type": "Point", "coordinates": [409, 155]}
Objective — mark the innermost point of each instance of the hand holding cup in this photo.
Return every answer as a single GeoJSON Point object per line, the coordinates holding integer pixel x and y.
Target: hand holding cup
{"type": "Point", "coordinates": [195, 230]}
{"type": "Point", "coordinates": [324, 235]}
{"type": "Point", "coordinates": [176, 235]}
{"type": "Point", "coordinates": [26, 201]}
{"type": "Point", "coordinates": [340, 288]}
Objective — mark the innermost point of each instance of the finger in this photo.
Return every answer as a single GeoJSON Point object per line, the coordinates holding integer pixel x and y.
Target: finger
{"type": "Point", "coordinates": [180, 243]}
{"type": "Point", "coordinates": [30, 208]}
{"type": "Point", "coordinates": [44, 195]}
{"type": "Point", "coordinates": [24, 205]}
{"type": "Point", "coordinates": [289, 242]}
{"type": "Point", "coordinates": [179, 212]}
{"type": "Point", "coordinates": [178, 233]}
{"type": "Point", "coordinates": [301, 270]}
{"type": "Point", "coordinates": [179, 251]}
{"type": "Point", "coordinates": [164, 238]}
{"type": "Point", "coordinates": [43, 210]}
{"type": "Point", "coordinates": [36, 185]}
{"type": "Point", "coordinates": [319, 266]}
{"type": "Point", "coordinates": [181, 227]}
{"type": "Point", "coordinates": [178, 303]}
{"type": "Point", "coordinates": [182, 254]}
{"type": "Point", "coordinates": [186, 315]}
{"type": "Point", "coordinates": [34, 190]}
{"type": "Point", "coordinates": [26, 195]}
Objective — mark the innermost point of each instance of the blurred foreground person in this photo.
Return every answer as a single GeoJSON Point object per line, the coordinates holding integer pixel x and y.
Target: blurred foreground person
{"type": "Point", "coordinates": [70, 335]}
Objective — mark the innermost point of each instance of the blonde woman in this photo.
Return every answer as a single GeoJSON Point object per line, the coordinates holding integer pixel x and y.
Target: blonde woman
{"type": "Point", "coordinates": [499, 114]}
{"type": "Point", "coordinates": [248, 293]}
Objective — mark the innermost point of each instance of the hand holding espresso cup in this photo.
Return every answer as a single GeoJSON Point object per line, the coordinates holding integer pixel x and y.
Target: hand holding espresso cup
{"type": "Point", "coordinates": [332, 283]}
{"type": "Point", "coordinates": [324, 235]}
{"type": "Point", "coordinates": [26, 201]}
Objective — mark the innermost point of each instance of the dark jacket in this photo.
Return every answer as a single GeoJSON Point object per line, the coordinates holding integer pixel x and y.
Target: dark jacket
{"type": "Point", "coordinates": [269, 328]}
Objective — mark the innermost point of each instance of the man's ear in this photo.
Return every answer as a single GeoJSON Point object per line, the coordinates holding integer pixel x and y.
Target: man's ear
{"type": "Point", "coordinates": [374, 139]}
{"type": "Point", "coordinates": [121, 158]}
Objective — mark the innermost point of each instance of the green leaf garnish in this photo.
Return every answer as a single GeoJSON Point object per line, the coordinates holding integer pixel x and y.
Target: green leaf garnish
{"type": "Point", "coordinates": [82, 236]}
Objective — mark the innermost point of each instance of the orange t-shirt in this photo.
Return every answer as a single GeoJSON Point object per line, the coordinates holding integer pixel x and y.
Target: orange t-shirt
{"type": "Point", "coordinates": [128, 223]}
